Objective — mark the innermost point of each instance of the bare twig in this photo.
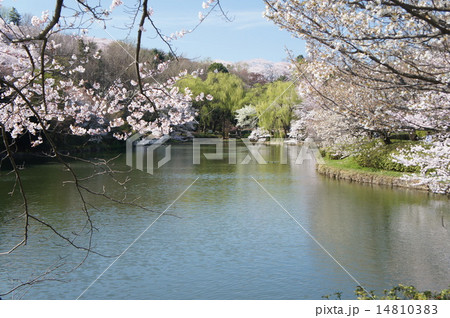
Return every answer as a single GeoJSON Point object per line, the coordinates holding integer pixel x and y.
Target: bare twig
{"type": "Point", "coordinates": [22, 191]}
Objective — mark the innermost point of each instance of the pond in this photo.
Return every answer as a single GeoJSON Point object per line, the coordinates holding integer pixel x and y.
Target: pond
{"type": "Point", "coordinates": [229, 231]}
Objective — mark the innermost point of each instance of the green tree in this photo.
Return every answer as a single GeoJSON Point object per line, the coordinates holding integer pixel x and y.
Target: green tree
{"type": "Point", "coordinates": [300, 58]}
{"type": "Point", "coordinates": [228, 93]}
{"type": "Point", "coordinates": [14, 16]}
{"type": "Point", "coordinates": [274, 104]}
{"type": "Point", "coordinates": [217, 68]}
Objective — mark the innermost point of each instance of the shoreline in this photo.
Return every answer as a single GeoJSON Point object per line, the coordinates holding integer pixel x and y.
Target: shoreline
{"type": "Point", "coordinates": [369, 178]}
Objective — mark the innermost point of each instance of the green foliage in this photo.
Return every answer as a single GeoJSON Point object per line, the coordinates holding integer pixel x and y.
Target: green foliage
{"type": "Point", "coordinates": [403, 292]}
{"type": "Point", "coordinates": [376, 154]}
{"type": "Point", "coordinates": [300, 58]}
{"type": "Point", "coordinates": [421, 134]}
{"type": "Point", "coordinates": [412, 135]}
{"type": "Point", "coordinates": [400, 136]}
{"type": "Point", "coordinates": [159, 55]}
{"type": "Point", "coordinates": [228, 92]}
{"type": "Point", "coordinates": [399, 292]}
{"type": "Point", "coordinates": [274, 103]}
{"type": "Point", "coordinates": [350, 163]}
{"type": "Point", "coordinates": [14, 16]}
{"type": "Point", "coordinates": [337, 294]}
{"type": "Point", "coordinates": [217, 68]}
{"type": "Point", "coordinates": [282, 78]}
{"type": "Point", "coordinates": [200, 134]}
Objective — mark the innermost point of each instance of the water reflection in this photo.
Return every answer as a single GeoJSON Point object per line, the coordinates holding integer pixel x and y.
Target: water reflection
{"type": "Point", "coordinates": [230, 240]}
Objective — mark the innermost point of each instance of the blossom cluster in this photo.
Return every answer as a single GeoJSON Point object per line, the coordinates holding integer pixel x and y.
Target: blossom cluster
{"type": "Point", "coordinates": [41, 91]}
{"type": "Point", "coordinates": [406, 38]}
{"type": "Point", "coordinates": [433, 161]}
{"type": "Point", "coordinates": [333, 132]}
{"type": "Point", "coordinates": [376, 67]}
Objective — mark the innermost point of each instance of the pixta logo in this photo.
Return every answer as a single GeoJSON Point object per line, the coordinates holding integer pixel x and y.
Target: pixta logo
{"type": "Point", "coordinates": [308, 151]}
{"type": "Point", "coordinates": [141, 152]}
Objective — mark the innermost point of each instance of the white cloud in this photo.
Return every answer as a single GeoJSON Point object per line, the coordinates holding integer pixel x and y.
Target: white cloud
{"type": "Point", "coordinates": [249, 19]}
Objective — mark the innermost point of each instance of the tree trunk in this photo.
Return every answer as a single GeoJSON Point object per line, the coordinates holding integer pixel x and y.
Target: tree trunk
{"type": "Point", "coordinates": [386, 139]}
{"type": "Point", "coordinates": [413, 136]}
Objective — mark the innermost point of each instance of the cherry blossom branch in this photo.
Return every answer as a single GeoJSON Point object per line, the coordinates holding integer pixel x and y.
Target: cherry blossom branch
{"type": "Point", "coordinates": [137, 57]}
{"type": "Point", "coordinates": [67, 166]}
{"type": "Point", "coordinates": [22, 192]}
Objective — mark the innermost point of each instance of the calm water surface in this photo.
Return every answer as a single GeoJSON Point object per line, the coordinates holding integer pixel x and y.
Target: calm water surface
{"type": "Point", "coordinates": [226, 238]}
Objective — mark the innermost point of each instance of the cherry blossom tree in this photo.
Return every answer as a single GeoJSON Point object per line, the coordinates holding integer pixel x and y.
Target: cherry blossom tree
{"type": "Point", "coordinates": [246, 117]}
{"type": "Point", "coordinates": [333, 132]}
{"type": "Point", "coordinates": [396, 43]}
{"type": "Point", "coordinates": [372, 110]}
{"type": "Point", "coordinates": [381, 65]}
{"type": "Point", "coordinates": [433, 161]}
{"type": "Point", "coordinates": [398, 48]}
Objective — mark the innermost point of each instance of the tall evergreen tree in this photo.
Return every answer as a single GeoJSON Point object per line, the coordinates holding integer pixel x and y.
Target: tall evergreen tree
{"type": "Point", "coordinates": [217, 68]}
{"type": "Point", "coordinates": [14, 16]}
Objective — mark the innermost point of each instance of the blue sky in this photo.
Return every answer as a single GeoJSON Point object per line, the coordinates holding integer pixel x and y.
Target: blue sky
{"type": "Point", "coordinates": [248, 36]}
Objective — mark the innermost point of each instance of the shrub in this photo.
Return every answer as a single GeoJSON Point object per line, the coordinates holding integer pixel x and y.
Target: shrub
{"type": "Point", "coordinates": [403, 292]}
{"type": "Point", "coordinates": [399, 292]}
{"type": "Point", "coordinates": [376, 154]}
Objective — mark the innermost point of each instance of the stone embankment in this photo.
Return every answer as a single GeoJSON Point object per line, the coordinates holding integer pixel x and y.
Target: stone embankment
{"type": "Point", "coordinates": [370, 178]}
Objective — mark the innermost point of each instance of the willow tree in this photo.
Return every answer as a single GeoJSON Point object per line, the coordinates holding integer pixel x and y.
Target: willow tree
{"type": "Point", "coordinates": [216, 113]}
{"type": "Point", "coordinates": [274, 104]}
